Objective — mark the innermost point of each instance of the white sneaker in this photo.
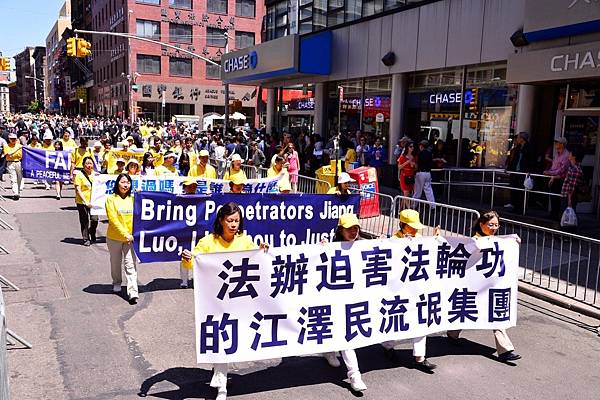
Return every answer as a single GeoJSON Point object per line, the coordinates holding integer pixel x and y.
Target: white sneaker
{"type": "Point", "coordinates": [117, 288]}
{"type": "Point", "coordinates": [221, 394]}
{"type": "Point", "coordinates": [332, 359]}
{"type": "Point", "coordinates": [357, 384]}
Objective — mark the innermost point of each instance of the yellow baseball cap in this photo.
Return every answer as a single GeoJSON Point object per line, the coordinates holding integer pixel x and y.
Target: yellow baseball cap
{"type": "Point", "coordinates": [411, 218]}
{"type": "Point", "coordinates": [348, 221]}
{"type": "Point", "coordinates": [190, 180]}
{"type": "Point", "coordinates": [237, 179]}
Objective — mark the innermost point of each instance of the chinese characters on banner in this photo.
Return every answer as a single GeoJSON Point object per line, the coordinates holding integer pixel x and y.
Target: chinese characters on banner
{"type": "Point", "coordinates": [297, 300]}
{"type": "Point", "coordinates": [103, 185]}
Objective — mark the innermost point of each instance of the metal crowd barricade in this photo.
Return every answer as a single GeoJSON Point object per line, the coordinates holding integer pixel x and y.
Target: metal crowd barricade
{"type": "Point", "coordinates": [560, 262]}
{"type": "Point", "coordinates": [306, 184]}
{"type": "Point", "coordinates": [452, 220]}
{"type": "Point", "coordinates": [376, 213]}
{"type": "Point", "coordinates": [4, 389]}
{"type": "Point", "coordinates": [492, 179]}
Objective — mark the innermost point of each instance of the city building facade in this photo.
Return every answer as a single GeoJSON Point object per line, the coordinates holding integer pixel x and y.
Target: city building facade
{"type": "Point", "coordinates": [57, 77]}
{"type": "Point", "coordinates": [473, 73]}
{"type": "Point", "coordinates": [157, 82]}
{"type": "Point", "coordinates": [29, 70]}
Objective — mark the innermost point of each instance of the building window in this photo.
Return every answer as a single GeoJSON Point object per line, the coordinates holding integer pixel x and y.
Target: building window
{"type": "Point", "coordinates": [213, 71]}
{"type": "Point", "coordinates": [149, 29]}
{"type": "Point", "coordinates": [245, 8]}
{"type": "Point", "coordinates": [371, 7]}
{"type": "Point", "coordinates": [180, 33]}
{"type": "Point", "coordinates": [215, 37]}
{"type": "Point", "coordinates": [217, 6]}
{"type": "Point", "coordinates": [147, 64]}
{"type": "Point", "coordinates": [180, 3]}
{"type": "Point", "coordinates": [353, 10]}
{"type": "Point", "coordinates": [156, 2]}
{"type": "Point", "coordinates": [180, 66]}
{"type": "Point", "coordinates": [244, 39]}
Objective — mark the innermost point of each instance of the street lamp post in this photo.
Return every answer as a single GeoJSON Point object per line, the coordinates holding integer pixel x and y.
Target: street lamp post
{"type": "Point", "coordinates": [226, 85]}
{"type": "Point", "coordinates": [34, 86]}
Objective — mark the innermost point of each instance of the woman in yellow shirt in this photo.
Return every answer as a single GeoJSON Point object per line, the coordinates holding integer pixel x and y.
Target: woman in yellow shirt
{"type": "Point", "coordinates": [235, 168]}
{"type": "Point", "coordinates": [83, 199]}
{"type": "Point", "coordinates": [80, 154]}
{"type": "Point", "coordinates": [119, 237]}
{"type": "Point", "coordinates": [279, 166]}
{"type": "Point", "coordinates": [227, 235]}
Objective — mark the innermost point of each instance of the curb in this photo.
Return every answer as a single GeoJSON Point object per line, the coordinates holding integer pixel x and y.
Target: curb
{"type": "Point", "coordinates": [558, 300]}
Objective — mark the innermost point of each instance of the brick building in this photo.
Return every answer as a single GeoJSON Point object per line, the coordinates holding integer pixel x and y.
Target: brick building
{"type": "Point", "coordinates": [26, 88]}
{"type": "Point", "coordinates": [57, 78]}
{"type": "Point", "coordinates": [159, 75]}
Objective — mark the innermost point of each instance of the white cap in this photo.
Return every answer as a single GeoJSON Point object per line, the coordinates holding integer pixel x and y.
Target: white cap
{"type": "Point", "coordinates": [48, 135]}
{"type": "Point", "coordinates": [97, 144]}
{"type": "Point", "coordinates": [344, 177]}
{"type": "Point", "coordinates": [236, 157]}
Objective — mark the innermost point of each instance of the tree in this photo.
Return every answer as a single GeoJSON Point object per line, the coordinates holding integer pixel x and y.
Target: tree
{"type": "Point", "coordinates": [34, 106]}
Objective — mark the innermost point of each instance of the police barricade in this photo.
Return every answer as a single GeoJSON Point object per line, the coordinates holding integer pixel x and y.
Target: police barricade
{"type": "Point", "coordinates": [306, 184]}
{"type": "Point", "coordinates": [376, 213]}
{"type": "Point", "coordinates": [452, 220]}
{"type": "Point", "coordinates": [250, 171]}
{"type": "Point", "coordinates": [220, 165]}
{"type": "Point", "coordinates": [561, 262]}
{"type": "Point", "coordinates": [4, 392]}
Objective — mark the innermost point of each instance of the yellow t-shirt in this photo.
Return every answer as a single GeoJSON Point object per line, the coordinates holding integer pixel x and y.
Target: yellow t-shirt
{"type": "Point", "coordinates": [158, 157]}
{"type": "Point", "coordinates": [400, 234]}
{"type": "Point", "coordinates": [48, 147]}
{"type": "Point", "coordinates": [203, 172]}
{"type": "Point", "coordinates": [9, 149]}
{"type": "Point", "coordinates": [161, 170]}
{"type": "Point", "coordinates": [36, 146]}
{"type": "Point", "coordinates": [215, 244]}
{"type": "Point", "coordinates": [120, 217]}
{"type": "Point", "coordinates": [79, 155]}
{"type": "Point", "coordinates": [334, 190]}
{"type": "Point", "coordinates": [231, 173]}
{"type": "Point", "coordinates": [68, 144]}
{"type": "Point", "coordinates": [284, 182]}
{"type": "Point", "coordinates": [85, 186]}
{"type": "Point", "coordinates": [350, 158]}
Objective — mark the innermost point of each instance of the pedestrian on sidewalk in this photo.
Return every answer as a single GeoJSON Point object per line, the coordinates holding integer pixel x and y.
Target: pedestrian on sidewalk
{"type": "Point", "coordinates": [13, 151]}
{"type": "Point", "coordinates": [83, 199]}
{"type": "Point", "coordinates": [406, 168]}
{"type": "Point", "coordinates": [119, 237]}
{"type": "Point", "coordinates": [573, 180]}
{"type": "Point", "coordinates": [423, 175]}
{"type": "Point", "coordinates": [519, 160]}
{"type": "Point", "coordinates": [557, 174]}
{"type": "Point", "coordinates": [488, 225]}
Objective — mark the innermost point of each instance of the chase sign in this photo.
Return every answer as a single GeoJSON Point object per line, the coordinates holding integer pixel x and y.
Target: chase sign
{"type": "Point", "coordinates": [241, 63]}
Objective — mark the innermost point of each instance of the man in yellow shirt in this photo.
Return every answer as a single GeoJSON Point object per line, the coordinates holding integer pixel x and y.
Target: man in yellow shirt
{"type": "Point", "coordinates": [68, 143]}
{"type": "Point", "coordinates": [13, 151]}
{"type": "Point", "coordinates": [47, 141]}
{"type": "Point", "coordinates": [167, 168]}
{"type": "Point", "coordinates": [79, 154]}
{"type": "Point", "coordinates": [280, 167]}
{"type": "Point", "coordinates": [235, 168]}
{"type": "Point", "coordinates": [203, 169]}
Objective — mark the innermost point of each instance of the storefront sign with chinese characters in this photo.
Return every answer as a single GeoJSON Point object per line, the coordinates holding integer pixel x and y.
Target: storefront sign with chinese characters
{"type": "Point", "coordinates": [195, 94]}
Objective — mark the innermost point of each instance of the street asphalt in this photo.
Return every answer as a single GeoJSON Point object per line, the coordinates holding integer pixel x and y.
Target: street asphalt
{"type": "Point", "coordinates": [91, 344]}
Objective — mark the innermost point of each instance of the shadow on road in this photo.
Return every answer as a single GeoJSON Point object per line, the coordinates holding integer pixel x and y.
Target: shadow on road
{"type": "Point", "coordinates": [158, 284]}
{"type": "Point", "coordinates": [69, 208]}
{"type": "Point", "coordinates": [77, 241]}
{"type": "Point", "coordinates": [299, 371]}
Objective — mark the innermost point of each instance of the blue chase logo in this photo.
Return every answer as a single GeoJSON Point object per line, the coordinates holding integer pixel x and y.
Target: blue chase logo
{"type": "Point", "coordinates": [247, 61]}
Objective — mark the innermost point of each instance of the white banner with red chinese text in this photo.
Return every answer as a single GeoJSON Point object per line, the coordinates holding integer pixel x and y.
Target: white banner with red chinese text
{"type": "Point", "coordinates": [296, 300]}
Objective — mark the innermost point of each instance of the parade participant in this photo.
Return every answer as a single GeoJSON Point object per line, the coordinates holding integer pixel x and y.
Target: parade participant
{"type": "Point", "coordinates": [13, 151]}
{"type": "Point", "coordinates": [79, 154]}
{"type": "Point", "coordinates": [67, 142]}
{"type": "Point", "coordinates": [236, 184]}
{"type": "Point", "coordinates": [147, 164]}
{"type": "Point", "coordinates": [120, 166]}
{"type": "Point", "coordinates": [83, 199]}
{"type": "Point", "coordinates": [203, 168]}
{"type": "Point", "coordinates": [235, 168]}
{"type": "Point", "coordinates": [47, 141]}
{"type": "Point", "coordinates": [98, 155]}
{"type": "Point", "coordinates": [132, 167]}
{"type": "Point", "coordinates": [105, 155]}
{"type": "Point", "coordinates": [131, 142]}
{"type": "Point", "coordinates": [227, 236]}
{"type": "Point", "coordinates": [34, 143]}
{"type": "Point", "coordinates": [168, 167]}
{"type": "Point", "coordinates": [348, 230]}
{"type": "Point", "coordinates": [119, 238]}
{"type": "Point", "coordinates": [124, 145]}
{"type": "Point", "coordinates": [190, 185]}
{"type": "Point", "coordinates": [280, 167]}
{"type": "Point", "coordinates": [343, 184]}
{"type": "Point", "coordinates": [188, 160]}
{"type": "Point", "coordinates": [487, 225]}
{"type": "Point", "coordinates": [410, 227]}
{"type": "Point", "coordinates": [58, 184]}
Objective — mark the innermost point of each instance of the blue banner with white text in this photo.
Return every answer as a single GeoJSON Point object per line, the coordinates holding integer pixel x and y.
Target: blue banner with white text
{"type": "Point", "coordinates": [48, 165]}
{"type": "Point", "coordinates": [165, 224]}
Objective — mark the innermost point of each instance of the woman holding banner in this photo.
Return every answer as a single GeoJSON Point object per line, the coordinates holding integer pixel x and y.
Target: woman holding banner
{"type": "Point", "coordinates": [410, 227]}
{"type": "Point", "coordinates": [227, 236]}
{"type": "Point", "coordinates": [348, 230]}
{"type": "Point", "coordinates": [119, 238]}
{"type": "Point", "coordinates": [83, 199]}
{"type": "Point", "coordinates": [58, 146]}
{"type": "Point", "coordinates": [235, 168]}
{"type": "Point", "coordinates": [487, 225]}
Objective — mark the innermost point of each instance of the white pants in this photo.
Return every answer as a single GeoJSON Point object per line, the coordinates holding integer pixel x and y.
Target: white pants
{"type": "Point", "coordinates": [184, 273]}
{"type": "Point", "coordinates": [16, 176]}
{"type": "Point", "coordinates": [121, 253]}
{"type": "Point", "coordinates": [349, 357]}
{"type": "Point", "coordinates": [419, 345]}
{"type": "Point", "coordinates": [219, 378]}
{"type": "Point", "coordinates": [423, 184]}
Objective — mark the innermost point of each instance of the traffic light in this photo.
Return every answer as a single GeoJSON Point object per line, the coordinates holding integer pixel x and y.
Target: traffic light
{"type": "Point", "coordinates": [4, 64]}
{"type": "Point", "coordinates": [83, 48]}
{"type": "Point", "coordinates": [72, 47]}
{"type": "Point", "coordinates": [474, 103]}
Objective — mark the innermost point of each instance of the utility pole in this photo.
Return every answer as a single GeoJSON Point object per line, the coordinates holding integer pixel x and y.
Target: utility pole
{"type": "Point", "coordinates": [226, 115]}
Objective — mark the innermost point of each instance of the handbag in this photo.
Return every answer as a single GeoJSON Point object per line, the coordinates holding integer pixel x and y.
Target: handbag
{"type": "Point", "coordinates": [409, 179]}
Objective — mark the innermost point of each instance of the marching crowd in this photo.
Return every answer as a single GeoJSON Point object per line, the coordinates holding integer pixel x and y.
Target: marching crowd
{"type": "Point", "coordinates": [185, 150]}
